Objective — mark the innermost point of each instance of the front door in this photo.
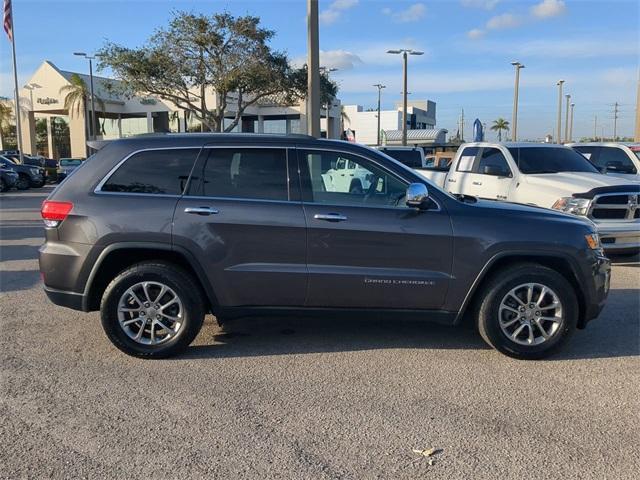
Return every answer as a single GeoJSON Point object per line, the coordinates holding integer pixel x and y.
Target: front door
{"type": "Point", "coordinates": [244, 222]}
{"type": "Point", "coordinates": [365, 248]}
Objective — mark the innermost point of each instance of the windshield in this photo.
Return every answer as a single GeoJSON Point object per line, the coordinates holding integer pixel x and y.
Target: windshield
{"type": "Point", "coordinates": [69, 163]}
{"type": "Point", "coordinates": [550, 160]}
{"type": "Point", "coordinates": [411, 158]}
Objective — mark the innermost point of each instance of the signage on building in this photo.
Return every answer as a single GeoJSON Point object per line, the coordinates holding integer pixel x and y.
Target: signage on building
{"type": "Point", "coordinates": [148, 101]}
{"type": "Point", "coordinates": [46, 101]}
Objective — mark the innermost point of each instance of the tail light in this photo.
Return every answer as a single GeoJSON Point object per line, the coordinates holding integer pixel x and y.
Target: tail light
{"type": "Point", "coordinates": [53, 213]}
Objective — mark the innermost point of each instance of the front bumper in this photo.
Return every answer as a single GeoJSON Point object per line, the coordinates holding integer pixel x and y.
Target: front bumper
{"type": "Point", "coordinates": [595, 284]}
{"type": "Point", "coordinates": [620, 236]}
{"type": "Point", "coordinates": [36, 180]}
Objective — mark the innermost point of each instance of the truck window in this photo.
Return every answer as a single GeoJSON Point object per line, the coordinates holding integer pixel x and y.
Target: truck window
{"type": "Point", "coordinates": [467, 159]}
{"type": "Point", "coordinates": [492, 162]}
{"type": "Point", "coordinates": [615, 160]}
{"type": "Point", "coordinates": [537, 160]}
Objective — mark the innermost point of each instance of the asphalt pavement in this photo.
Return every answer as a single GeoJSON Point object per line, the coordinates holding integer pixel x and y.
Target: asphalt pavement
{"type": "Point", "coordinates": [306, 398]}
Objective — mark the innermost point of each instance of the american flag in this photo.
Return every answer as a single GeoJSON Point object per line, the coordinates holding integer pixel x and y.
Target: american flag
{"type": "Point", "coordinates": [7, 20]}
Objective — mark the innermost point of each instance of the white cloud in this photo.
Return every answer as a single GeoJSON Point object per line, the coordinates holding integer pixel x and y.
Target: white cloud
{"type": "Point", "coordinates": [506, 20]}
{"type": "Point", "coordinates": [572, 48]}
{"type": "Point", "coordinates": [549, 8]}
{"type": "Point", "coordinates": [475, 33]}
{"type": "Point", "coordinates": [335, 10]}
{"type": "Point", "coordinates": [340, 59]}
{"type": "Point", "coordinates": [412, 13]}
{"type": "Point", "coordinates": [486, 4]}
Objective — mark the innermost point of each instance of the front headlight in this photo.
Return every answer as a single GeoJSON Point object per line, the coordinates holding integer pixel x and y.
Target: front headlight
{"type": "Point", "coordinates": [577, 206]}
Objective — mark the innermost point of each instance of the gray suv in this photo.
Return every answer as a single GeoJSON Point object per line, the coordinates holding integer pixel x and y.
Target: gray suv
{"type": "Point", "coordinates": [157, 231]}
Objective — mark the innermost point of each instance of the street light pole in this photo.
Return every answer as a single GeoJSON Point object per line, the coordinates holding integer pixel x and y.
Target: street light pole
{"type": "Point", "coordinates": [514, 130]}
{"type": "Point", "coordinates": [92, 115]}
{"type": "Point", "coordinates": [571, 123]}
{"type": "Point", "coordinates": [559, 138]}
{"type": "Point", "coordinates": [566, 119]}
{"type": "Point", "coordinates": [380, 87]}
{"type": "Point", "coordinates": [313, 70]}
{"type": "Point", "coordinates": [327, 71]}
{"type": "Point", "coordinates": [405, 52]}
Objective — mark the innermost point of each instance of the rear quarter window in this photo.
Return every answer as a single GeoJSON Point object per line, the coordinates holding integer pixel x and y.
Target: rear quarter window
{"type": "Point", "coordinates": [160, 172]}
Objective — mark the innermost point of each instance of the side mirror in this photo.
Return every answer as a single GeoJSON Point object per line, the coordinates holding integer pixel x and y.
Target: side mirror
{"type": "Point", "coordinates": [418, 196]}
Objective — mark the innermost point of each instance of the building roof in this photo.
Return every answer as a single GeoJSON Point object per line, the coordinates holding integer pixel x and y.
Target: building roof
{"type": "Point", "coordinates": [422, 135]}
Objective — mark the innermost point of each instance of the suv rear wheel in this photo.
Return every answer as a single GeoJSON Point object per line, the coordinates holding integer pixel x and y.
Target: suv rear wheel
{"type": "Point", "coordinates": [23, 182]}
{"type": "Point", "coordinates": [527, 311]}
{"type": "Point", "coordinates": [152, 310]}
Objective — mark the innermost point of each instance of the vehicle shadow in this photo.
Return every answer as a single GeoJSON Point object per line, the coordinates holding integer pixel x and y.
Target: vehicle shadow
{"type": "Point", "coordinates": [615, 334]}
{"type": "Point", "coordinates": [13, 281]}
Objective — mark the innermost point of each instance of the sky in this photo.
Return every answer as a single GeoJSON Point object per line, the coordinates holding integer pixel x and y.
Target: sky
{"type": "Point", "coordinates": [594, 45]}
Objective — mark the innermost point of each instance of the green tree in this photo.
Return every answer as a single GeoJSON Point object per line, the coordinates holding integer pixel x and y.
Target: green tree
{"type": "Point", "coordinates": [199, 53]}
{"type": "Point", "coordinates": [499, 125]}
{"type": "Point", "coordinates": [6, 120]}
{"type": "Point", "coordinates": [77, 95]}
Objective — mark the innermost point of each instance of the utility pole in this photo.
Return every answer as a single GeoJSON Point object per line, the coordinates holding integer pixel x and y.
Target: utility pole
{"type": "Point", "coordinates": [559, 138]}
{"type": "Point", "coordinates": [313, 70]}
{"type": "Point", "coordinates": [405, 52]}
{"type": "Point", "coordinates": [615, 121]}
{"type": "Point", "coordinates": [595, 128]}
{"type": "Point", "coordinates": [566, 119]}
{"type": "Point", "coordinates": [514, 120]}
{"type": "Point", "coordinates": [571, 123]}
{"type": "Point", "coordinates": [462, 125]}
{"type": "Point", "coordinates": [636, 135]}
{"type": "Point", "coordinates": [379, 86]}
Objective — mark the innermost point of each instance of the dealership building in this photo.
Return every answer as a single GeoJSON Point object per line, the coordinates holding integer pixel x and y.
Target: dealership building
{"type": "Point", "coordinates": [42, 100]}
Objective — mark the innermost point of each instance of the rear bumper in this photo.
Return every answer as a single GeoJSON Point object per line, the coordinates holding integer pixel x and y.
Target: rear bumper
{"type": "Point", "coordinates": [620, 236]}
{"type": "Point", "coordinates": [73, 300]}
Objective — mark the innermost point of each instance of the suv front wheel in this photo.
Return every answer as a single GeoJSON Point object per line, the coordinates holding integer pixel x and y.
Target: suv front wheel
{"type": "Point", "coordinates": [152, 310]}
{"type": "Point", "coordinates": [527, 311]}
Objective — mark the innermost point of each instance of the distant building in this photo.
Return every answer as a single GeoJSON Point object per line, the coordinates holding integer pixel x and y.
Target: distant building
{"type": "Point", "coordinates": [421, 115]}
{"type": "Point", "coordinates": [120, 116]}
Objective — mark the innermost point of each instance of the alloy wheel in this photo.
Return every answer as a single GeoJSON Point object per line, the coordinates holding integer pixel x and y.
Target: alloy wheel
{"type": "Point", "coordinates": [530, 314]}
{"type": "Point", "coordinates": [150, 313]}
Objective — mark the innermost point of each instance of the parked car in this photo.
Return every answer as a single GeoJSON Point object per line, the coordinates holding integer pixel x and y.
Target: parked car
{"type": "Point", "coordinates": [8, 178]}
{"type": "Point", "coordinates": [551, 176]}
{"type": "Point", "coordinates": [156, 231]}
{"type": "Point", "coordinates": [66, 166]}
{"type": "Point", "coordinates": [412, 157]}
{"type": "Point", "coordinates": [28, 176]}
{"type": "Point", "coordinates": [617, 159]}
{"type": "Point", "coordinates": [51, 168]}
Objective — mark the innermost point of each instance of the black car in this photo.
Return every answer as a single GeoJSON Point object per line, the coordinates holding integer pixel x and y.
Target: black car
{"type": "Point", "coordinates": [28, 176]}
{"type": "Point", "coordinates": [8, 179]}
{"type": "Point", "coordinates": [157, 231]}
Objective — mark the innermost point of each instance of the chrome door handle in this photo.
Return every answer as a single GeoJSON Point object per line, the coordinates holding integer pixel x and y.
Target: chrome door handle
{"type": "Point", "coordinates": [452, 180]}
{"type": "Point", "coordinates": [201, 210]}
{"type": "Point", "coordinates": [330, 217]}
{"type": "Point", "coordinates": [476, 183]}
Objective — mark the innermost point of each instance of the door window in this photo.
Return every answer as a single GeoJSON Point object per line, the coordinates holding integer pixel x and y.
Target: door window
{"type": "Point", "coordinates": [492, 162]}
{"type": "Point", "coordinates": [615, 160]}
{"type": "Point", "coordinates": [246, 173]}
{"type": "Point", "coordinates": [161, 172]}
{"type": "Point", "coordinates": [467, 159]}
{"type": "Point", "coordinates": [363, 183]}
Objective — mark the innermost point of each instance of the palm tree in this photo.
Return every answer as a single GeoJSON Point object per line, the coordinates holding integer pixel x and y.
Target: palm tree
{"type": "Point", "coordinates": [499, 125]}
{"type": "Point", "coordinates": [6, 118]}
{"type": "Point", "coordinates": [77, 95]}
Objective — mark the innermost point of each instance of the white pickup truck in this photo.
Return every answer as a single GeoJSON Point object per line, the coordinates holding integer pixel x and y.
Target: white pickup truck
{"type": "Point", "coordinates": [551, 176]}
{"type": "Point", "coordinates": [617, 159]}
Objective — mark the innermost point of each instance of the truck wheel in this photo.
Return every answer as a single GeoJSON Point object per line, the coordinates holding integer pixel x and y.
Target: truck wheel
{"type": "Point", "coordinates": [527, 311]}
{"type": "Point", "coordinates": [23, 182]}
{"type": "Point", "coordinates": [152, 310]}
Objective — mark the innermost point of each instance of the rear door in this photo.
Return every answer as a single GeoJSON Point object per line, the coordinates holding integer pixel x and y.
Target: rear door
{"type": "Point", "coordinates": [367, 249]}
{"type": "Point", "coordinates": [243, 220]}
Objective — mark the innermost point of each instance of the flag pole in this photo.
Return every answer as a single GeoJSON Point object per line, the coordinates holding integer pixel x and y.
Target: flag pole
{"type": "Point", "coordinates": [17, 92]}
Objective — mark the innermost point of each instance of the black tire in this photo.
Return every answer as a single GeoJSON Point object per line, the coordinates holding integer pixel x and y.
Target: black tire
{"type": "Point", "coordinates": [23, 182]}
{"type": "Point", "coordinates": [502, 283]}
{"type": "Point", "coordinates": [182, 283]}
{"type": "Point", "coordinates": [40, 184]}
{"type": "Point", "coordinates": [3, 185]}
